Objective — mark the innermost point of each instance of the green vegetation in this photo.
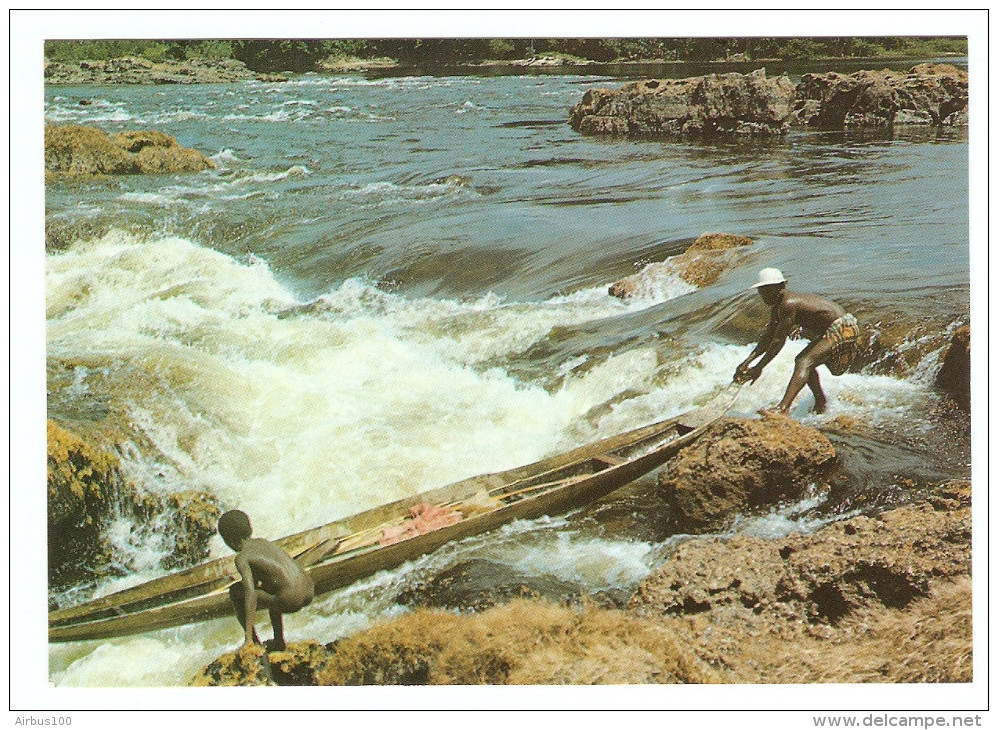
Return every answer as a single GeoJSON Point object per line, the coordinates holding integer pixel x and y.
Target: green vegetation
{"type": "Point", "coordinates": [306, 55]}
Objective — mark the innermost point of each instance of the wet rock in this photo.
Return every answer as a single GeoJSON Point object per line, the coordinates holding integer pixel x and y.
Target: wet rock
{"type": "Point", "coordinates": [898, 343]}
{"type": "Point", "coordinates": [740, 465]}
{"type": "Point", "coordinates": [196, 519]}
{"type": "Point", "coordinates": [954, 375]}
{"type": "Point", "coordinates": [887, 561]}
{"type": "Point", "coordinates": [700, 265]}
{"type": "Point", "coordinates": [75, 151]}
{"type": "Point", "coordinates": [247, 667]}
{"type": "Point", "coordinates": [299, 664]}
{"type": "Point", "coordinates": [271, 78]}
{"type": "Point", "coordinates": [739, 104]}
{"type": "Point", "coordinates": [83, 486]}
{"type": "Point", "coordinates": [928, 94]}
{"type": "Point", "coordinates": [754, 105]}
{"type": "Point", "coordinates": [86, 491]}
{"type": "Point", "coordinates": [479, 584]}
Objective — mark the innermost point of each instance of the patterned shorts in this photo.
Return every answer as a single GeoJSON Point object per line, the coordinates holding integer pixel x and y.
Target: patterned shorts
{"type": "Point", "coordinates": [843, 334]}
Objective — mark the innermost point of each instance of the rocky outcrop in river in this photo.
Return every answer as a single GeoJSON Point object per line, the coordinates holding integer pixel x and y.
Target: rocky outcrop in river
{"type": "Point", "coordinates": [875, 598]}
{"type": "Point", "coordinates": [954, 375]}
{"type": "Point", "coordinates": [934, 95]}
{"type": "Point", "coordinates": [742, 465]}
{"type": "Point", "coordinates": [75, 151]}
{"type": "Point", "coordinates": [700, 265]}
{"type": "Point", "coordinates": [86, 491]}
{"type": "Point", "coordinates": [882, 598]}
{"type": "Point", "coordinates": [753, 104]}
{"type": "Point", "coordinates": [744, 104]}
{"type": "Point", "coordinates": [83, 484]}
{"type": "Point", "coordinates": [144, 71]}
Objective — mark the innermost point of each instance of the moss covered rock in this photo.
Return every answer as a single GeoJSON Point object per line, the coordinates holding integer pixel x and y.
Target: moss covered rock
{"type": "Point", "coordinates": [247, 667]}
{"type": "Point", "coordinates": [83, 484]}
{"type": "Point", "coordinates": [76, 151]}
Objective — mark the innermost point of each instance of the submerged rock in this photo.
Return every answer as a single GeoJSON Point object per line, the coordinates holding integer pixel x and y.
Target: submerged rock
{"type": "Point", "coordinates": [479, 584]}
{"type": "Point", "coordinates": [954, 375]}
{"type": "Point", "coordinates": [740, 465]}
{"type": "Point", "coordinates": [733, 103]}
{"type": "Point", "coordinates": [700, 265]}
{"type": "Point", "coordinates": [76, 151]}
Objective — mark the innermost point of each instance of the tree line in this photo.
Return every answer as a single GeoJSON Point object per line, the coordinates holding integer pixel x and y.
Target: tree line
{"type": "Point", "coordinates": [306, 55]}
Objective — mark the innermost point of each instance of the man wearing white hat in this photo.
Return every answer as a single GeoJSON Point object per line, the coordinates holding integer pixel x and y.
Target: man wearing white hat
{"type": "Point", "coordinates": [834, 336]}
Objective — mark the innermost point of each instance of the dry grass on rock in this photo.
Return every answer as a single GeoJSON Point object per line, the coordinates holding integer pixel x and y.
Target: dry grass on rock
{"type": "Point", "coordinates": [522, 642]}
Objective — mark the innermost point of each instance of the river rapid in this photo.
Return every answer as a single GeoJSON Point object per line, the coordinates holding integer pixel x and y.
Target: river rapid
{"type": "Point", "coordinates": [389, 284]}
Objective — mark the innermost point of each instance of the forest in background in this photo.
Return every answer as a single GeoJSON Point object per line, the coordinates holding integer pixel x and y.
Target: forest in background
{"type": "Point", "coordinates": [309, 55]}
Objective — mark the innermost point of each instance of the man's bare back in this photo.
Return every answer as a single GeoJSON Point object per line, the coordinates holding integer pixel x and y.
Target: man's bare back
{"type": "Point", "coordinates": [809, 311]}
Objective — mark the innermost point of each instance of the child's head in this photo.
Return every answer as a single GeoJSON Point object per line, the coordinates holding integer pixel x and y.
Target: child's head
{"type": "Point", "coordinates": [234, 527]}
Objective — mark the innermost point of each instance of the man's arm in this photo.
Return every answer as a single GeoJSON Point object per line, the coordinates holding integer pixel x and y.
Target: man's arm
{"type": "Point", "coordinates": [249, 595]}
{"type": "Point", "coordinates": [774, 337]}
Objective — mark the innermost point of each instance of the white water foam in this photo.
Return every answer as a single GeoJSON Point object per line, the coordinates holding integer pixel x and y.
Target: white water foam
{"type": "Point", "coordinates": [303, 415]}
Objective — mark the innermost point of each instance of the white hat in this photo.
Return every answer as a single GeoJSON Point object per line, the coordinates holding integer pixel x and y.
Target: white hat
{"type": "Point", "coordinates": [769, 277]}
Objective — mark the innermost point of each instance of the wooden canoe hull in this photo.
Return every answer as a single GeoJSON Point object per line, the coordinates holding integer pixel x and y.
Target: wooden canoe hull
{"type": "Point", "coordinates": [201, 593]}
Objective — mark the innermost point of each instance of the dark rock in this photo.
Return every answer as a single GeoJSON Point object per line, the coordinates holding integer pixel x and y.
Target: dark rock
{"type": "Point", "coordinates": [885, 561]}
{"type": "Point", "coordinates": [926, 95]}
{"type": "Point", "coordinates": [299, 664]}
{"type": "Point", "coordinates": [740, 465]}
{"type": "Point", "coordinates": [737, 104]}
{"type": "Point", "coordinates": [754, 105]}
{"type": "Point", "coordinates": [954, 376]}
{"type": "Point", "coordinates": [479, 584]}
{"type": "Point", "coordinates": [83, 487]}
{"type": "Point", "coordinates": [86, 491]}
{"type": "Point", "coordinates": [196, 519]}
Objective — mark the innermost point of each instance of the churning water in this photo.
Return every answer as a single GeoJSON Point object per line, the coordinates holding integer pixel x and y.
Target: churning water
{"type": "Point", "coordinates": [386, 285]}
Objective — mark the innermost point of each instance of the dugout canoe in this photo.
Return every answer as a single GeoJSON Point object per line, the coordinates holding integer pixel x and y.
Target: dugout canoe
{"type": "Point", "coordinates": [343, 551]}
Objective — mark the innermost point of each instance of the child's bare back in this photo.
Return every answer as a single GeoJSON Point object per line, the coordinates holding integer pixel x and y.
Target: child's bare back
{"type": "Point", "coordinates": [269, 578]}
{"type": "Point", "coordinates": [275, 573]}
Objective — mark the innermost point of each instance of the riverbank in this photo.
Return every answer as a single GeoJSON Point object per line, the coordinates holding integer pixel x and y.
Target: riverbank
{"type": "Point", "coordinates": [142, 71]}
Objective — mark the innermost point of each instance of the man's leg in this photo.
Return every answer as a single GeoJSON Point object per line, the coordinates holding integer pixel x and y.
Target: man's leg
{"type": "Point", "coordinates": [804, 374]}
{"type": "Point", "coordinates": [814, 383]}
